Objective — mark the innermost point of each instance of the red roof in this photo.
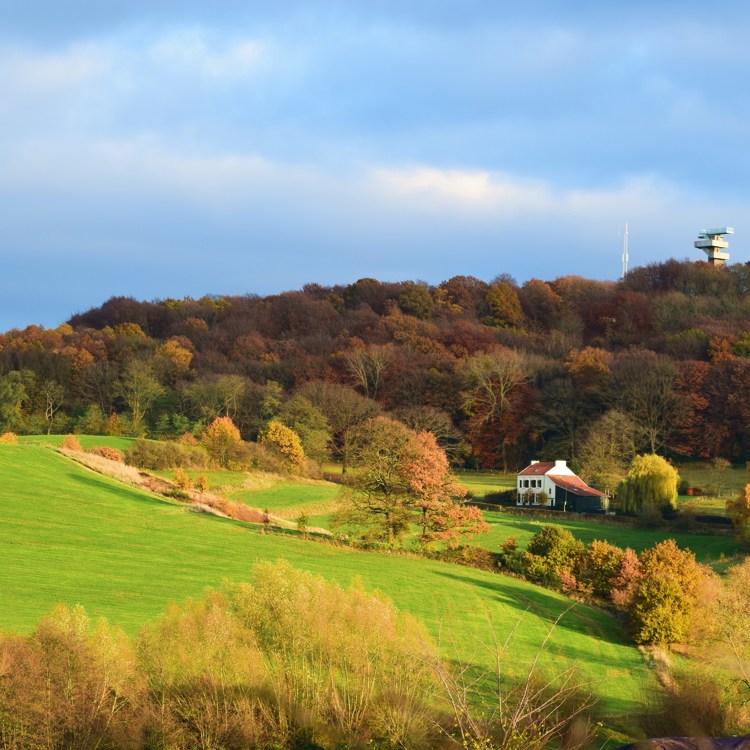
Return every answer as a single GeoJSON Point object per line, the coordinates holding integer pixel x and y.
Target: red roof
{"type": "Point", "coordinates": [539, 468]}
{"type": "Point", "coordinates": [575, 486]}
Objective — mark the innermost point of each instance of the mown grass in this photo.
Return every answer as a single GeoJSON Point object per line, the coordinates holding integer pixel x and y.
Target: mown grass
{"type": "Point", "coordinates": [707, 547]}
{"type": "Point", "coordinates": [70, 535]}
{"type": "Point", "coordinates": [86, 441]}
{"type": "Point", "coordinates": [481, 483]}
{"type": "Point", "coordinates": [282, 496]}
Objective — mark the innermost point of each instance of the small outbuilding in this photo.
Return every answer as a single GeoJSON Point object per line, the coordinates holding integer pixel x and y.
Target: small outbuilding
{"type": "Point", "coordinates": [551, 484]}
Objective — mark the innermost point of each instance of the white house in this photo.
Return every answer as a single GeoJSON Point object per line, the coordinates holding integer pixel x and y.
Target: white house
{"type": "Point", "coordinates": [562, 488]}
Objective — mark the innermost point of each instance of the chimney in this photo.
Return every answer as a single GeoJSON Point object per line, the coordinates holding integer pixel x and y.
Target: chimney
{"type": "Point", "coordinates": [533, 462]}
{"type": "Point", "coordinates": [561, 464]}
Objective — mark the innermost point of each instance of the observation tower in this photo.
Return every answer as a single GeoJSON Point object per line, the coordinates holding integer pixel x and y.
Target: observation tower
{"type": "Point", "coordinates": [711, 242]}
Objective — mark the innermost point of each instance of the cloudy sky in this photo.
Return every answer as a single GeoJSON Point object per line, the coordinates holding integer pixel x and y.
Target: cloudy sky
{"type": "Point", "coordinates": [175, 147]}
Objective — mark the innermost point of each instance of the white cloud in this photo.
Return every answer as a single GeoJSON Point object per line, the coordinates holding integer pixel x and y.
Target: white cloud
{"type": "Point", "coordinates": [191, 51]}
{"type": "Point", "coordinates": [44, 73]}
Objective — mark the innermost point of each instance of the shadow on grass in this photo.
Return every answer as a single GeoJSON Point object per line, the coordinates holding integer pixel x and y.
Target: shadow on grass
{"type": "Point", "coordinates": [579, 619]}
{"type": "Point", "coordinates": [113, 487]}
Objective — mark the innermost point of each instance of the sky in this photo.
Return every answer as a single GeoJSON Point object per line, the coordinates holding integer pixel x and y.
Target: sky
{"type": "Point", "coordinates": [175, 147]}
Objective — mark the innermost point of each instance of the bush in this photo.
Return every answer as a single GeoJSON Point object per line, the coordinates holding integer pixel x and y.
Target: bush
{"type": "Point", "coordinates": [109, 453]}
{"type": "Point", "coordinates": [149, 454]}
{"type": "Point", "coordinates": [599, 564]}
{"type": "Point", "coordinates": [54, 682]}
{"type": "Point", "coordinates": [696, 705]}
{"type": "Point", "coordinates": [9, 437]}
{"type": "Point", "coordinates": [300, 663]}
{"type": "Point", "coordinates": [201, 483]}
{"type": "Point", "coordinates": [664, 597]}
{"type": "Point", "coordinates": [70, 443]}
{"type": "Point", "coordinates": [182, 480]}
{"type": "Point", "coordinates": [254, 456]}
{"type": "Point", "coordinates": [557, 546]}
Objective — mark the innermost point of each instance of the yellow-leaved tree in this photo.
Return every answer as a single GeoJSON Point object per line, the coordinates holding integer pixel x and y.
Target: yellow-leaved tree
{"type": "Point", "coordinates": [220, 438]}
{"type": "Point", "coordinates": [287, 442]}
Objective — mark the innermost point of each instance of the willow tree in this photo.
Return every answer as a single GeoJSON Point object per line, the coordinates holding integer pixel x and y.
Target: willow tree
{"type": "Point", "coordinates": [650, 483]}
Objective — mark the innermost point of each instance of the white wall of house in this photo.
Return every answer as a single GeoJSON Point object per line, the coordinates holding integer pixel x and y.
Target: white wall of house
{"type": "Point", "coordinates": [540, 483]}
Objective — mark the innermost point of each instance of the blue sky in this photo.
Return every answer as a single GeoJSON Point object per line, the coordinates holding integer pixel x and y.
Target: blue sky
{"type": "Point", "coordinates": [166, 148]}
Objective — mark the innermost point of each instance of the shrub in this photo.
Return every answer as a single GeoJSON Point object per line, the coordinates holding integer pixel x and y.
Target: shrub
{"type": "Point", "coordinates": [54, 682]}
{"type": "Point", "coordinates": [182, 480]}
{"type": "Point", "coordinates": [557, 546]}
{"type": "Point", "coordinates": [738, 510]}
{"type": "Point", "coordinates": [697, 704]}
{"type": "Point", "coordinates": [662, 604]}
{"type": "Point", "coordinates": [201, 483]}
{"type": "Point", "coordinates": [187, 438]}
{"type": "Point", "coordinates": [149, 454]}
{"type": "Point", "coordinates": [109, 453]}
{"type": "Point", "coordinates": [70, 443]}
{"type": "Point", "coordinates": [9, 437]}
{"type": "Point", "coordinates": [291, 661]}
{"type": "Point", "coordinates": [598, 566]}
{"type": "Point", "coordinates": [625, 579]}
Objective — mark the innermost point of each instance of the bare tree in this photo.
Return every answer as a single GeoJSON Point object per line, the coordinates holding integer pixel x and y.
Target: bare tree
{"type": "Point", "coordinates": [366, 366]}
{"type": "Point", "coordinates": [491, 378]}
{"type": "Point", "coordinates": [643, 387]}
{"type": "Point", "coordinates": [54, 398]}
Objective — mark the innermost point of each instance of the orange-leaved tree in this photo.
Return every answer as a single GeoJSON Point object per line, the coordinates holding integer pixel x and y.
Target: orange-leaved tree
{"type": "Point", "coordinates": [436, 493]}
{"type": "Point", "coordinates": [220, 438]}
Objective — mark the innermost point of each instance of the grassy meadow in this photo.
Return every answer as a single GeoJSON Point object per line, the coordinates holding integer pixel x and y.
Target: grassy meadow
{"type": "Point", "coordinates": [68, 534]}
{"type": "Point", "coordinates": [86, 441]}
{"type": "Point", "coordinates": [284, 498]}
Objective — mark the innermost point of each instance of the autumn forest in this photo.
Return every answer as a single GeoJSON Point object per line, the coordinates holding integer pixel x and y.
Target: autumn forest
{"type": "Point", "coordinates": [499, 372]}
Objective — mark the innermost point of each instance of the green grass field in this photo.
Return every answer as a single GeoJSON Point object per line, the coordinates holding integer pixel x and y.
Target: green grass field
{"type": "Point", "coordinates": [286, 498]}
{"type": "Point", "coordinates": [70, 535]}
{"type": "Point", "coordinates": [481, 483]}
{"type": "Point", "coordinates": [707, 548]}
{"type": "Point", "coordinates": [86, 441]}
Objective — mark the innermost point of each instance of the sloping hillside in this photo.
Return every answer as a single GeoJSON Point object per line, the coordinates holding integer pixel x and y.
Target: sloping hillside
{"type": "Point", "coordinates": [68, 534]}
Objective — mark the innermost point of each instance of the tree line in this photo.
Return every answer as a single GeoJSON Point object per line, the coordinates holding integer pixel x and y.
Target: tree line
{"type": "Point", "coordinates": [594, 372]}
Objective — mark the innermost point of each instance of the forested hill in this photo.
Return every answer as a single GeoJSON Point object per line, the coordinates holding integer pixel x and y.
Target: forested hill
{"type": "Point", "coordinates": [499, 372]}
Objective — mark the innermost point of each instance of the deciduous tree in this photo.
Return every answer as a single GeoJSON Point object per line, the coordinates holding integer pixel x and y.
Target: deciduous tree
{"type": "Point", "coordinates": [344, 408]}
{"type": "Point", "coordinates": [492, 378]}
{"type": "Point", "coordinates": [437, 493]}
{"type": "Point", "coordinates": [220, 438]}
{"type": "Point", "coordinates": [139, 390]}
{"type": "Point", "coordinates": [287, 441]}
{"type": "Point", "coordinates": [382, 449]}
{"type": "Point", "coordinates": [650, 483]}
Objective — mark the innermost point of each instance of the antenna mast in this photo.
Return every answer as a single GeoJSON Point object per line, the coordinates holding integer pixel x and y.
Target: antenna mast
{"type": "Point", "coordinates": [625, 252]}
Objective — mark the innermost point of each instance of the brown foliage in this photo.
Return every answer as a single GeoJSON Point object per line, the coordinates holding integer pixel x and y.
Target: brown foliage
{"type": "Point", "coordinates": [112, 454]}
{"type": "Point", "coordinates": [71, 443]}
